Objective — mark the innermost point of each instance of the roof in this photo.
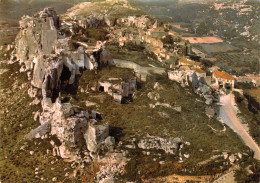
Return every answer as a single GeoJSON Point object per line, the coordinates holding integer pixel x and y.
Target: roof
{"type": "Point", "coordinates": [198, 70]}
{"type": "Point", "coordinates": [184, 60]}
{"type": "Point", "coordinates": [185, 67]}
{"type": "Point", "coordinates": [223, 75]}
{"type": "Point", "coordinates": [190, 62]}
{"type": "Point", "coordinates": [122, 38]}
{"type": "Point", "coordinates": [110, 40]}
{"type": "Point", "coordinates": [214, 68]}
{"type": "Point", "coordinates": [157, 51]}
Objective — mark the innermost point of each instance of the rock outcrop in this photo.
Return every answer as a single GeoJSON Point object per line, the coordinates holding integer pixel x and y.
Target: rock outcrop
{"type": "Point", "coordinates": [76, 129]}
{"type": "Point", "coordinates": [55, 64]}
{"type": "Point", "coordinates": [170, 146]}
{"type": "Point", "coordinates": [199, 86]}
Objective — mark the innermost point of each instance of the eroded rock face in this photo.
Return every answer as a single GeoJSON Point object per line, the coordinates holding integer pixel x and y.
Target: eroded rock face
{"type": "Point", "coordinates": [40, 49]}
{"type": "Point", "coordinates": [55, 64]}
{"type": "Point", "coordinates": [74, 128]}
{"type": "Point", "coordinates": [38, 35]}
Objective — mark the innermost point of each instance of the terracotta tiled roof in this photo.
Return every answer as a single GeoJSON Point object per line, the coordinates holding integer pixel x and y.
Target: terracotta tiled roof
{"type": "Point", "coordinates": [123, 41]}
{"type": "Point", "coordinates": [184, 60]}
{"type": "Point", "coordinates": [190, 62]}
{"type": "Point", "coordinates": [157, 51]}
{"type": "Point", "coordinates": [198, 70]}
{"type": "Point", "coordinates": [223, 75]}
{"type": "Point", "coordinates": [185, 67]}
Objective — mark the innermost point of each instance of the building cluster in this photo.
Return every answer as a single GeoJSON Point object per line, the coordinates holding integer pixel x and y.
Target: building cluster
{"type": "Point", "coordinates": [188, 70]}
{"type": "Point", "coordinates": [250, 78]}
{"type": "Point", "coordinates": [141, 30]}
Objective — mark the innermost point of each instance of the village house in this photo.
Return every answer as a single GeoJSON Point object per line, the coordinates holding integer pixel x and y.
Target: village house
{"type": "Point", "coordinates": [214, 69]}
{"type": "Point", "coordinates": [254, 79]}
{"type": "Point", "coordinates": [224, 80]}
{"type": "Point", "coordinates": [200, 73]}
{"type": "Point", "coordinates": [185, 61]}
{"type": "Point", "coordinates": [157, 52]}
{"type": "Point", "coordinates": [155, 42]}
{"type": "Point", "coordinates": [122, 41]}
{"type": "Point", "coordinates": [184, 68]}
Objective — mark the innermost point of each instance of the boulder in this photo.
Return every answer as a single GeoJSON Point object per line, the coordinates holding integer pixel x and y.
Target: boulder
{"type": "Point", "coordinates": [95, 135]}
{"type": "Point", "coordinates": [106, 58]}
{"type": "Point", "coordinates": [170, 145]}
{"type": "Point", "coordinates": [232, 158]}
{"type": "Point", "coordinates": [110, 143]}
{"type": "Point", "coordinates": [39, 131]}
{"type": "Point", "coordinates": [177, 108]}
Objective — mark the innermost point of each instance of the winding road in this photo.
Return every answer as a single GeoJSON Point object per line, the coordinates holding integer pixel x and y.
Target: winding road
{"type": "Point", "coordinates": [228, 113]}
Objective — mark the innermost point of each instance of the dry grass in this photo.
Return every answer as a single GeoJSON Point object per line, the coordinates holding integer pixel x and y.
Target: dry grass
{"type": "Point", "coordinates": [255, 93]}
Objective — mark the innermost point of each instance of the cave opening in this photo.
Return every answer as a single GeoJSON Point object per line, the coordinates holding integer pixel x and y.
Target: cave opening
{"type": "Point", "coordinates": [101, 88]}
{"type": "Point", "coordinates": [65, 75]}
{"type": "Point", "coordinates": [67, 88]}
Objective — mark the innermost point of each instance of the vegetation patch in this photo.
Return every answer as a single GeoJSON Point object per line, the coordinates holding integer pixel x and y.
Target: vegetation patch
{"type": "Point", "coordinates": [253, 120]}
{"type": "Point", "coordinates": [137, 119]}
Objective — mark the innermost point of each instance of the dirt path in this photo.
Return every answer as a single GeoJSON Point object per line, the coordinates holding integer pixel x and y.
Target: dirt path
{"type": "Point", "coordinates": [228, 112]}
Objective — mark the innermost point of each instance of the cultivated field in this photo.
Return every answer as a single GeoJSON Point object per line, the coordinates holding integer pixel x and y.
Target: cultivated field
{"type": "Point", "coordinates": [208, 40]}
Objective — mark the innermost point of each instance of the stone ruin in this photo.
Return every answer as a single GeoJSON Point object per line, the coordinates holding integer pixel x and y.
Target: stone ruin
{"type": "Point", "coordinates": [199, 86]}
{"type": "Point", "coordinates": [42, 50]}
{"type": "Point", "coordinates": [77, 130]}
{"type": "Point", "coordinates": [122, 91]}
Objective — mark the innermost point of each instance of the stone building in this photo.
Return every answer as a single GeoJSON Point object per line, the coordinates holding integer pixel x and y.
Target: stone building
{"type": "Point", "coordinates": [224, 80]}
{"type": "Point", "coordinates": [186, 61]}
{"type": "Point", "coordinates": [199, 72]}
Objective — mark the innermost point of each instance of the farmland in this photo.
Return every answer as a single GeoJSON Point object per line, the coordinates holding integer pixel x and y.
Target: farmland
{"type": "Point", "coordinates": [207, 40]}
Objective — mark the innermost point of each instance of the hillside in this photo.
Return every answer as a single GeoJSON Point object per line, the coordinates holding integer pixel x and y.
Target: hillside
{"type": "Point", "coordinates": [236, 23]}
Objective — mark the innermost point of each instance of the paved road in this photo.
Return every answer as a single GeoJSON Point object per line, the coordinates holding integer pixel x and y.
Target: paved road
{"type": "Point", "coordinates": [228, 112]}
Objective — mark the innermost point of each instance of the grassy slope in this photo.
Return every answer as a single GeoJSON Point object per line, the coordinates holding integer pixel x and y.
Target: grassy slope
{"type": "Point", "coordinates": [17, 165]}
{"type": "Point", "coordinates": [126, 121]}
{"type": "Point", "coordinates": [136, 119]}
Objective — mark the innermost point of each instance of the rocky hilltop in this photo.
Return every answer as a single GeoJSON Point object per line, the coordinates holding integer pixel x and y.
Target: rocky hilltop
{"type": "Point", "coordinates": [97, 105]}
